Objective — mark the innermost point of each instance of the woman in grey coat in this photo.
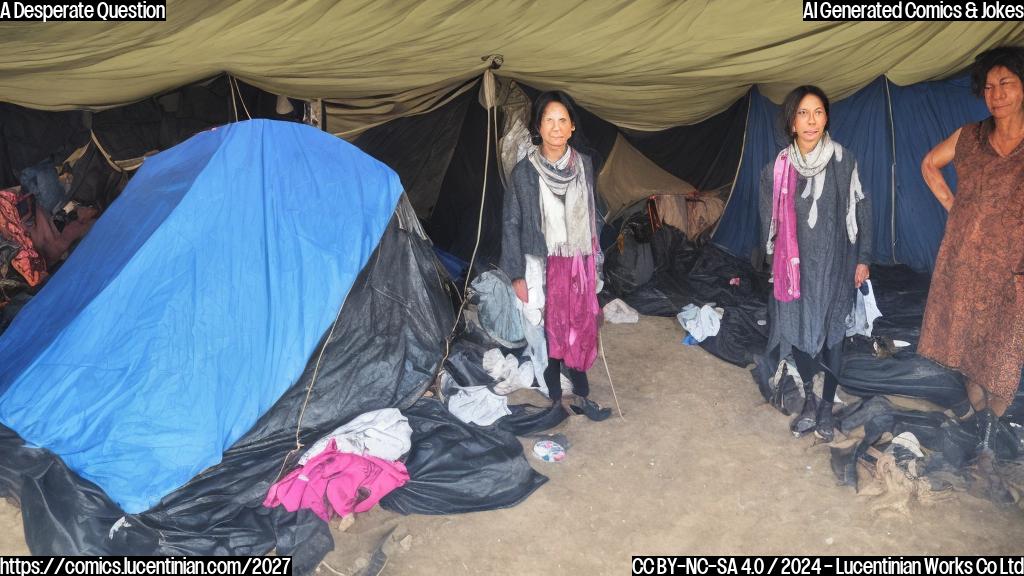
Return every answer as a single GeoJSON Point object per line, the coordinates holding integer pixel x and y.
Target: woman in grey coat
{"type": "Point", "coordinates": [816, 225]}
{"type": "Point", "coordinates": [550, 250]}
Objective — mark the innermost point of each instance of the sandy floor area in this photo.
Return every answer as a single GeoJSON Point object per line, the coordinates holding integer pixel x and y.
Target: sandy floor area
{"type": "Point", "coordinates": [700, 465]}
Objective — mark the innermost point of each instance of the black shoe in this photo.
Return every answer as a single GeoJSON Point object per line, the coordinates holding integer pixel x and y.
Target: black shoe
{"type": "Point", "coordinates": [826, 426]}
{"type": "Point", "coordinates": [805, 421]}
{"type": "Point", "coordinates": [564, 405]}
{"type": "Point", "coordinates": [591, 409]}
{"type": "Point", "coordinates": [986, 420]}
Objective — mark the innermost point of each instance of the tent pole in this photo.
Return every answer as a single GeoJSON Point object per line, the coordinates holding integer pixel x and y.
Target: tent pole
{"type": "Point", "coordinates": [236, 90]}
{"type": "Point", "coordinates": [488, 88]}
{"type": "Point", "coordinates": [234, 105]}
{"type": "Point", "coordinates": [892, 178]}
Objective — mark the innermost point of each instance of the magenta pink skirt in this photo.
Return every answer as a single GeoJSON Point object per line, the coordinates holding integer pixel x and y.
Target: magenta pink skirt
{"type": "Point", "coordinates": [571, 309]}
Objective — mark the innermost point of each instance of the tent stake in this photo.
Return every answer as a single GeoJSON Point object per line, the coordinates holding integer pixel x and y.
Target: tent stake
{"type": "Point", "coordinates": [600, 345]}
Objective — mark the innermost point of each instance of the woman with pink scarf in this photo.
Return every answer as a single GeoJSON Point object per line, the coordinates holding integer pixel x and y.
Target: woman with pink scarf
{"type": "Point", "coordinates": [816, 228]}
{"type": "Point", "coordinates": [550, 250]}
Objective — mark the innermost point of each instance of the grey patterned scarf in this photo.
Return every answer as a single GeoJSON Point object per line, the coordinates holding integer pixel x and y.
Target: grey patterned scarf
{"type": "Point", "coordinates": [566, 211]}
{"type": "Point", "coordinates": [812, 167]}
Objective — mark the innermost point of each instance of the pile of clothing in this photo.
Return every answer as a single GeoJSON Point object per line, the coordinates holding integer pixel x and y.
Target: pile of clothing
{"type": "Point", "coordinates": [39, 223]}
{"type": "Point", "coordinates": [350, 469]}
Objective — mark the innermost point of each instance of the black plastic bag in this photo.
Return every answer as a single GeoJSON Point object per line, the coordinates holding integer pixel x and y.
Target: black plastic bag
{"type": "Point", "coordinates": [629, 264]}
{"type": "Point", "coordinates": [456, 467]}
{"type": "Point", "coordinates": [905, 374]}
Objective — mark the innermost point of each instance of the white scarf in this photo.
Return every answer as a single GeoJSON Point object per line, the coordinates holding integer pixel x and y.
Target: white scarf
{"type": "Point", "coordinates": [813, 168]}
{"type": "Point", "coordinates": [566, 211]}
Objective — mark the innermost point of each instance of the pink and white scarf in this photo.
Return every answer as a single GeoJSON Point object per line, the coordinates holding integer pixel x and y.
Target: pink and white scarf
{"type": "Point", "coordinates": [782, 240]}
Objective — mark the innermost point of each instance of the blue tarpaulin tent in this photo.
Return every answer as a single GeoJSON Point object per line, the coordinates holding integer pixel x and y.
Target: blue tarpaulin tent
{"type": "Point", "coordinates": [193, 304]}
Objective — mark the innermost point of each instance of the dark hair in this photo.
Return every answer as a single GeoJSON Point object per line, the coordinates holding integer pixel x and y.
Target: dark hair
{"type": "Point", "coordinates": [541, 103]}
{"type": "Point", "coordinates": [792, 103]}
{"type": "Point", "coordinates": [1011, 57]}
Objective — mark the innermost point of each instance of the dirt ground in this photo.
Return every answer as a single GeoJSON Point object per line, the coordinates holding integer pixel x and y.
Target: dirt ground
{"type": "Point", "coordinates": [700, 465]}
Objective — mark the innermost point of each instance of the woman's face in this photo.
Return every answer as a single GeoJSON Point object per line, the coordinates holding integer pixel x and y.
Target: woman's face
{"type": "Point", "coordinates": [555, 125]}
{"type": "Point", "coordinates": [809, 121]}
{"type": "Point", "coordinates": [1004, 94]}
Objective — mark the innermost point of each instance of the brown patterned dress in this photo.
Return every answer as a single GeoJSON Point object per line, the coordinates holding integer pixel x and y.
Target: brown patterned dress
{"type": "Point", "coordinates": [974, 320]}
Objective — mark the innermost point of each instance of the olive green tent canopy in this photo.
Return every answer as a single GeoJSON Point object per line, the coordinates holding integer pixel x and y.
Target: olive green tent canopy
{"type": "Point", "coordinates": [640, 64]}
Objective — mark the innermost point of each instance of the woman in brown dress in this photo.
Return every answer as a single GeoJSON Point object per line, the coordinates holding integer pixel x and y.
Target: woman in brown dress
{"type": "Point", "coordinates": [974, 320]}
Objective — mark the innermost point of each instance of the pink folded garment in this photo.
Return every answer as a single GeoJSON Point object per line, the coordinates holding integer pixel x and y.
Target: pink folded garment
{"type": "Point", "coordinates": [338, 481]}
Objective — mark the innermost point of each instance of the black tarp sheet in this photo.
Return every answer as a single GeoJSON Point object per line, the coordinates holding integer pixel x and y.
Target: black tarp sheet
{"type": "Point", "coordinates": [94, 181]}
{"type": "Point", "coordinates": [629, 264]}
{"type": "Point", "coordinates": [648, 300]}
{"type": "Point", "coordinates": [742, 292]}
{"type": "Point", "coordinates": [709, 280]}
{"type": "Point", "coordinates": [674, 259]}
{"type": "Point", "coordinates": [455, 218]}
{"type": "Point", "coordinates": [668, 289]}
{"type": "Point", "coordinates": [901, 295]}
{"type": "Point", "coordinates": [951, 443]}
{"type": "Point", "coordinates": [465, 362]}
{"type": "Point", "coordinates": [457, 467]}
{"type": "Point", "coordinates": [740, 335]}
{"type": "Point", "coordinates": [383, 353]}
{"type": "Point", "coordinates": [28, 137]}
{"type": "Point", "coordinates": [420, 148]}
{"type": "Point", "coordinates": [465, 367]}
{"type": "Point", "coordinates": [905, 374]}
{"type": "Point", "coordinates": [687, 274]}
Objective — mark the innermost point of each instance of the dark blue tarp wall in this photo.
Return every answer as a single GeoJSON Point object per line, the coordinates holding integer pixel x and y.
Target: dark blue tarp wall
{"type": "Point", "coordinates": [922, 115]}
{"type": "Point", "coordinates": [739, 229]}
{"type": "Point", "coordinates": [927, 113]}
{"type": "Point", "coordinates": [861, 124]}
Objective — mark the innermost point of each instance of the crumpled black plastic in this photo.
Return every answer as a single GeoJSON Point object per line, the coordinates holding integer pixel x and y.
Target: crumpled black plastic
{"type": "Point", "coordinates": [465, 367]}
{"type": "Point", "coordinates": [465, 364]}
{"type": "Point", "coordinates": [905, 374]}
{"type": "Point", "coordinates": [952, 443]}
{"type": "Point", "coordinates": [669, 289]}
{"type": "Point", "coordinates": [631, 267]}
{"type": "Point", "coordinates": [901, 295]}
{"type": "Point", "coordinates": [527, 419]}
{"type": "Point", "coordinates": [456, 467]}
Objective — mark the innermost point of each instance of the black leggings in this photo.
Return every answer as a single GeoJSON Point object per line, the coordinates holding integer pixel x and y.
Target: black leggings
{"type": "Point", "coordinates": [580, 384]}
{"type": "Point", "coordinates": [808, 367]}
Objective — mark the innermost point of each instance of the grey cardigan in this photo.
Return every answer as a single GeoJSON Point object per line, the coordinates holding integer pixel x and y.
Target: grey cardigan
{"type": "Point", "coordinates": [521, 232]}
{"type": "Point", "coordinates": [828, 260]}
